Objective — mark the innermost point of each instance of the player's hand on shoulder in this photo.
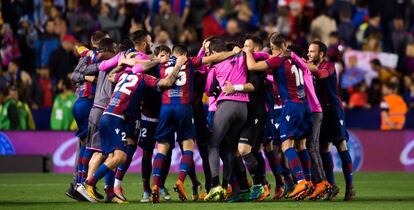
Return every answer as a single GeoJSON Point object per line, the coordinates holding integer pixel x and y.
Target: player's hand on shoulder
{"type": "Point", "coordinates": [181, 60]}
{"type": "Point", "coordinates": [237, 50]}
{"type": "Point", "coordinates": [131, 55]}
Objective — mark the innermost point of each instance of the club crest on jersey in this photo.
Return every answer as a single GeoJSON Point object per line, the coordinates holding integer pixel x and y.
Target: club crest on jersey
{"type": "Point", "coordinates": [287, 118]}
{"type": "Point", "coordinates": [255, 121]}
{"type": "Point", "coordinates": [117, 130]}
{"type": "Point", "coordinates": [342, 122]}
{"type": "Point", "coordinates": [277, 125]}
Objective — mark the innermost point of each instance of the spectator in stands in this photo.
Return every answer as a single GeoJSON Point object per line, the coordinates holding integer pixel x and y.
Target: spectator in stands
{"type": "Point", "coordinates": [20, 79]}
{"type": "Point", "coordinates": [63, 60]}
{"type": "Point", "coordinates": [9, 115]}
{"type": "Point", "coordinates": [61, 28]}
{"type": "Point", "coordinates": [189, 38]}
{"type": "Point", "coordinates": [42, 89]}
{"type": "Point", "coordinates": [181, 8]}
{"type": "Point", "coordinates": [233, 32]}
{"type": "Point", "coordinates": [81, 24]}
{"type": "Point", "coordinates": [26, 121]}
{"type": "Point", "coordinates": [93, 8]}
{"type": "Point", "coordinates": [409, 61]}
{"type": "Point", "coordinates": [168, 20]}
{"type": "Point", "coordinates": [334, 47]}
{"type": "Point", "coordinates": [359, 98]}
{"type": "Point", "coordinates": [214, 23]}
{"type": "Point", "coordinates": [373, 26]}
{"type": "Point", "coordinates": [373, 43]}
{"type": "Point", "coordinates": [39, 16]}
{"type": "Point", "coordinates": [27, 36]}
{"type": "Point", "coordinates": [408, 94]}
{"type": "Point", "coordinates": [9, 45]}
{"type": "Point", "coordinates": [299, 28]}
{"type": "Point", "coordinates": [322, 26]}
{"type": "Point", "coordinates": [346, 28]}
{"type": "Point", "coordinates": [374, 93]}
{"type": "Point", "coordinates": [47, 42]}
{"type": "Point", "coordinates": [353, 75]}
{"type": "Point", "coordinates": [361, 13]}
{"type": "Point", "coordinates": [162, 38]}
{"type": "Point", "coordinates": [393, 108]}
{"type": "Point", "coordinates": [283, 24]}
{"type": "Point", "coordinates": [384, 73]}
{"type": "Point", "coordinates": [244, 15]}
{"type": "Point", "coordinates": [113, 26]}
{"type": "Point", "coordinates": [62, 117]}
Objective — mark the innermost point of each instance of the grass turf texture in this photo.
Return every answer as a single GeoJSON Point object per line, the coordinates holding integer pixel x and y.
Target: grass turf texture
{"type": "Point", "coordinates": [46, 191]}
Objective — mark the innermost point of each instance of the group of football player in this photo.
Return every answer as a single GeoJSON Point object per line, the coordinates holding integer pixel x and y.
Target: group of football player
{"type": "Point", "coordinates": [280, 102]}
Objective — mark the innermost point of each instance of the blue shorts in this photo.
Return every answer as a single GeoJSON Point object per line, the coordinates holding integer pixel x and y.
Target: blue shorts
{"type": "Point", "coordinates": [81, 109]}
{"type": "Point", "coordinates": [333, 126]}
{"type": "Point", "coordinates": [175, 118]}
{"type": "Point", "coordinates": [293, 121]}
{"type": "Point", "coordinates": [132, 129]}
{"type": "Point", "coordinates": [112, 134]}
{"type": "Point", "coordinates": [272, 128]}
{"type": "Point", "coordinates": [147, 132]}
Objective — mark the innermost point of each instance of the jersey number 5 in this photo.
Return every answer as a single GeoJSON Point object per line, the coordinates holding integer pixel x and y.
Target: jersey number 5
{"type": "Point", "coordinates": [298, 75]}
{"type": "Point", "coordinates": [126, 81]}
{"type": "Point", "coordinates": [181, 77]}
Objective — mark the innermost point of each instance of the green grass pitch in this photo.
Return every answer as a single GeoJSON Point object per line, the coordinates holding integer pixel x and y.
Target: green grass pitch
{"type": "Point", "coordinates": [390, 191]}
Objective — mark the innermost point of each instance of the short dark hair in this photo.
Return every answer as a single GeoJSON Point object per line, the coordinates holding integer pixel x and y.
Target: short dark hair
{"type": "Point", "coordinates": [4, 90]}
{"type": "Point", "coordinates": [322, 47]}
{"type": "Point", "coordinates": [162, 48]}
{"type": "Point", "coordinates": [256, 40]}
{"type": "Point", "coordinates": [376, 61]}
{"type": "Point", "coordinates": [391, 86]}
{"type": "Point", "coordinates": [217, 44]}
{"type": "Point", "coordinates": [97, 36]}
{"type": "Point", "coordinates": [277, 39]}
{"type": "Point", "coordinates": [139, 36]}
{"type": "Point", "coordinates": [180, 48]}
{"type": "Point", "coordinates": [107, 45]}
{"type": "Point", "coordinates": [297, 49]}
{"type": "Point", "coordinates": [15, 61]}
{"type": "Point", "coordinates": [231, 45]}
{"type": "Point", "coordinates": [125, 45]}
{"type": "Point", "coordinates": [166, 1]}
{"type": "Point", "coordinates": [67, 83]}
{"type": "Point", "coordinates": [334, 34]}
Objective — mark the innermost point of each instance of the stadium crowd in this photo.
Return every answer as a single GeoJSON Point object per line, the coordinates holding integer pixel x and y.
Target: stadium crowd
{"type": "Point", "coordinates": [38, 40]}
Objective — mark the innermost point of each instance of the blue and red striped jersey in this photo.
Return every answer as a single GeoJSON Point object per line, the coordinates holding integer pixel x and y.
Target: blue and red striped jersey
{"type": "Point", "coordinates": [288, 78]}
{"type": "Point", "coordinates": [87, 89]}
{"type": "Point", "coordinates": [127, 96]}
{"type": "Point", "coordinates": [327, 88]}
{"type": "Point", "coordinates": [182, 90]}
